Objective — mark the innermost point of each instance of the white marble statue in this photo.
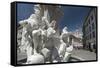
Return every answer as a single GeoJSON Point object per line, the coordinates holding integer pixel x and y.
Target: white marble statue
{"type": "Point", "coordinates": [64, 32]}
{"type": "Point", "coordinates": [45, 23]}
{"type": "Point", "coordinates": [69, 49]}
{"type": "Point", "coordinates": [40, 42]}
{"type": "Point", "coordinates": [33, 21]}
{"type": "Point", "coordinates": [46, 53]}
{"type": "Point", "coordinates": [35, 59]}
{"type": "Point", "coordinates": [66, 48]}
{"type": "Point", "coordinates": [66, 57]}
{"type": "Point", "coordinates": [26, 43]}
{"type": "Point", "coordinates": [37, 40]}
{"type": "Point", "coordinates": [62, 49]}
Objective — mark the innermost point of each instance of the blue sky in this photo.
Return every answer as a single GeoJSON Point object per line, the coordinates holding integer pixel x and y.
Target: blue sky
{"type": "Point", "coordinates": [73, 16]}
{"type": "Point", "coordinates": [24, 11]}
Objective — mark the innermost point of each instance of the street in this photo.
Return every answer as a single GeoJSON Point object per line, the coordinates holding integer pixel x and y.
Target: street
{"type": "Point", "coordinates": [84, 54]}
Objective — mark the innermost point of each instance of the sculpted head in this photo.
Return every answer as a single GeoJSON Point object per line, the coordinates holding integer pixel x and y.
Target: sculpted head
{"type": "Point", "coordinates": [32, 16]}
{"type": "Point", "coordinates": [65, 30]}
{"type": "Point", "coordinates": [53, 24]}
{"type": "Point", "coordinates": [37, 9]}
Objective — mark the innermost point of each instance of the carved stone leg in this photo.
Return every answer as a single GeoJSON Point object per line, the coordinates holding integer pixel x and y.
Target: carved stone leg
{"type": "Point", "coordinates": [66, 57]}
{"type": "Point", "coordinates": [28, 51]}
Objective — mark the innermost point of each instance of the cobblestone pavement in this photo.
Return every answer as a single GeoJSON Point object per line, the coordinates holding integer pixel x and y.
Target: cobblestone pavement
{"type": "Point", "coordinates": [21, 56]}
{"type": "Point", "coordinates": [84, 54]}
{"type": "Point", "coordinates": [81, 54]}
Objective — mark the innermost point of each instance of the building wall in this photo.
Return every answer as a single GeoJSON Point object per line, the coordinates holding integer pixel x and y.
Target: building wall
{"type": "Point", "coordinates": [89, 30]}
{"type": "Point", "coordinates": [76, 41]}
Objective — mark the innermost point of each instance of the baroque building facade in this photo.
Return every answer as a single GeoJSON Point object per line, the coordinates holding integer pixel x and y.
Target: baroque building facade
{"type": "Point", "coordinates": [90, 30]}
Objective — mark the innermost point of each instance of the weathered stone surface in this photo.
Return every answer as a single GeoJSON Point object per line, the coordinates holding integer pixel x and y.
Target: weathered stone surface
{"type": "Point", "coordinates": [40, 39]}
{"type": "Point", "coordinates": [34, 59]}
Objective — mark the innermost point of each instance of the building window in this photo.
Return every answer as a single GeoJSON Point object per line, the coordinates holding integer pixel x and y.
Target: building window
{"type": "Point", "coordinates": [85, 30]}
{"type": "Point", "coordinates": [89, 21]}
{"type": "Point", "coordinates": [93, 33]}
{"type": "Point", "coordinates": [92, 25]}
{"type": "Point", "coordinates": [90, 28]}
{"type": "Point", "coordinates": [91, 17]}
{"type": "Point", "coordinates": [86, 24]}
{"type": "Point", "coordinates": [90, 35]}
{"type": "Point", "coordinates": [87, 37]}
